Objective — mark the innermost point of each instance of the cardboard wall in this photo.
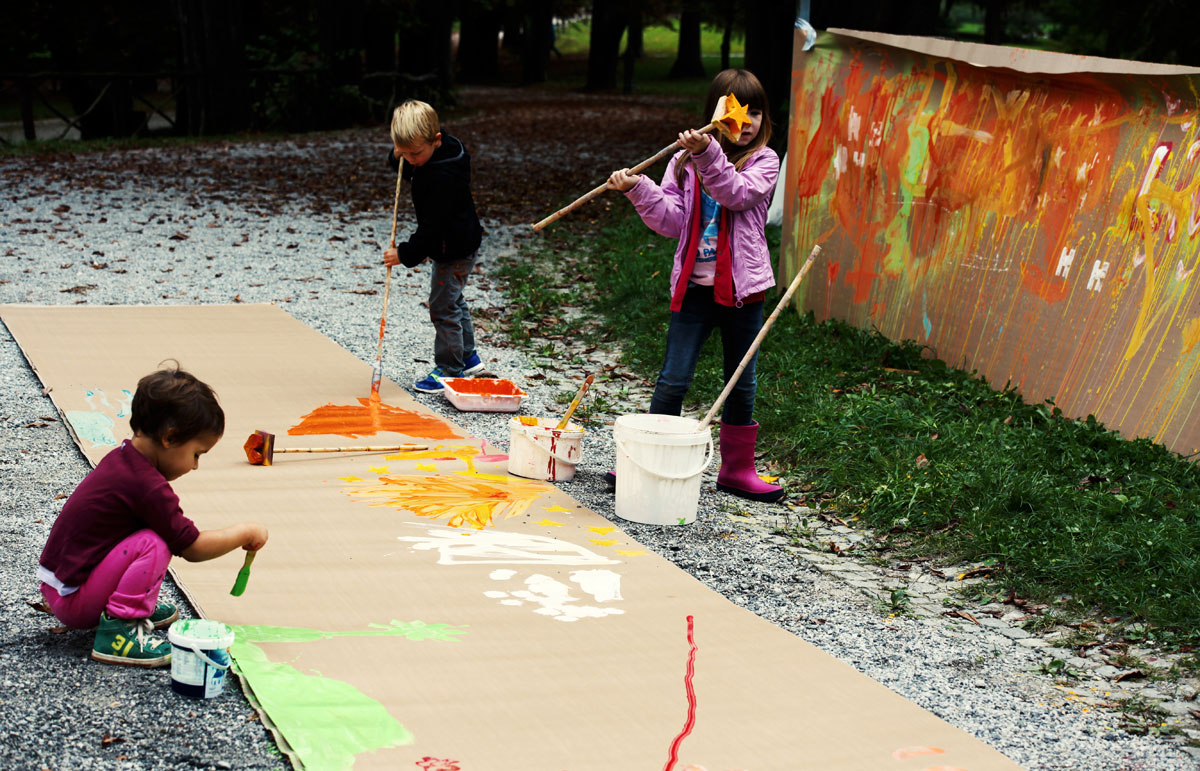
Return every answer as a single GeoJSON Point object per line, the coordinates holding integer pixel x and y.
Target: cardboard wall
{"type": "Point", "coordinates": [1031, 216]}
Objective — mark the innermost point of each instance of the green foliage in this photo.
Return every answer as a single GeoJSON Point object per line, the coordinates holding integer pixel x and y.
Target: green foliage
{"type": "Point", "coordinates": [903, 441]}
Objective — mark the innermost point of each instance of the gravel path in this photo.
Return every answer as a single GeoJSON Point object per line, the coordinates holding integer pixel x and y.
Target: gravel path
{"type": "Point", "coordinates": [207, 225]}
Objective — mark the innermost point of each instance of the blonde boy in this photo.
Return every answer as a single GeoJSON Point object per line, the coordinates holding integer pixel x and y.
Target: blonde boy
{"type": "Point", "coordinates": [438, 169]}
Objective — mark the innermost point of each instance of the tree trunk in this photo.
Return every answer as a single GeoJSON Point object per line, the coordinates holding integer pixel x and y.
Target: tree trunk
{"type": "Point", "coordinates": [604, 45]}
{"type": "Point", "coordinates": [215, 99]}
{"type": "Point", "coordinates": [769, 30]}
{"type": "Point", "coordinates": [425, 51]}
{"type": "Point", "coordinates": [995, 19]}
{"type": "Point", "coordinates": [539, 28]}
{"type": "Point", "coordinates": [478, 56]}
{"type": "Point", "coordinates": [633, 49]}
{"type": "Point", "coordinates": [726, 38]}
{"type": "Point", "coordinates": [340, 32]}
{"type": "Point", "coordinates": [688, 61]}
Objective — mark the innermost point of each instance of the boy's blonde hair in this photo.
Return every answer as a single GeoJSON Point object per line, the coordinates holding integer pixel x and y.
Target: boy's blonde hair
{"type": "Point", "coordinates": [413, 121]}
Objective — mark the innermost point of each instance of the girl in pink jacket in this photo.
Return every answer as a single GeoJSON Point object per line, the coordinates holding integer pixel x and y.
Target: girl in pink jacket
{"type": "Point", "coordinates": [714, 199]}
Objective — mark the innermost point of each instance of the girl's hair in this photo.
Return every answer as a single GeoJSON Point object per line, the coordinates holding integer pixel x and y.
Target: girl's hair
{"type": "Point", "coordinates": [750, 92]}
{"type": "Point", "coordinates": [172, 404]}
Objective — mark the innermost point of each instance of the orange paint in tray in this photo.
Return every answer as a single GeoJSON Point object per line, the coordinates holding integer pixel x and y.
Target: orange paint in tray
{"type": "Point", "coordinates": [482, 394]}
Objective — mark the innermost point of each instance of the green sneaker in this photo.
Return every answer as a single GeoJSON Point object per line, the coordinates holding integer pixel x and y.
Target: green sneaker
{"type": "Point", "coordinates": [129, 642]}
{"type": "Point", "coordinates": [164, 615]}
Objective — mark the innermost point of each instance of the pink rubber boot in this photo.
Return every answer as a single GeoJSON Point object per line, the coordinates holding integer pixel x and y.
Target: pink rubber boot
{"type": "Point", "coordinates": [737, 475]}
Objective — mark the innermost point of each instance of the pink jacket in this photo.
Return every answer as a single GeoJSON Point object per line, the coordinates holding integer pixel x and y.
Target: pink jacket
{"type": "Point", "coordinates": [667, 210]}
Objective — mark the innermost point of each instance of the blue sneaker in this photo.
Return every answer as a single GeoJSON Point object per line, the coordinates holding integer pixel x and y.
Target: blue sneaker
{"type": "Point", "coordinates": [472, 364]}
{"type": "Point", "coordinates": [431, 383]}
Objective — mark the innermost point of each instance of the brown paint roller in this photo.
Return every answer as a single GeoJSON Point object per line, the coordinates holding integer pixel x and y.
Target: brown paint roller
{"type": "Point", "coordinates": [260, 448]}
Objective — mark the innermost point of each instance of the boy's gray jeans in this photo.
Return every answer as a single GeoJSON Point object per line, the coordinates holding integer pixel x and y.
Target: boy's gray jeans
{"type": "Point", "coordinates": [454, 336]}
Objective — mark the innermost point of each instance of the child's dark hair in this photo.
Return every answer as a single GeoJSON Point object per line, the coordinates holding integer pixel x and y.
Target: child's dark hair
{"type": "Point", "coordinates": [172, 404]}
{"type": "Point", "coordinates": [749, 91]}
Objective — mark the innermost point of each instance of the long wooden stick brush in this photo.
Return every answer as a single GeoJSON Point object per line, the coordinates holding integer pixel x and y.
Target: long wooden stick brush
{"type": "Point", "coordinates": [762, 332]}
{"type": "Point", "coordinates": [260, 448]}
{"type": "Point", "coordinates": [730, 124]}
{"type": "Point", "coordinates": [377, 373]}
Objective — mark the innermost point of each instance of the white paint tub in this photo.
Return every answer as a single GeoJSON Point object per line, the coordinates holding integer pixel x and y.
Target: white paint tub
{"type": "Point", "coordinates": [659, 462]}
{"type": "Point", "coordinates": [544, 451]}
{"type": "Point", "coordinates": [199, 656]}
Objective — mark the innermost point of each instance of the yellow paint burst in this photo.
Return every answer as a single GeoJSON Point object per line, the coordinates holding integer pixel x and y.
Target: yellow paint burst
{"type": "Point", "coordinates": [550, 523]}
{"type": "Point", "coordinates": [556, 508]}
{"type": "Point", "coordinates": [378, 469]}
{"type": "Point", "coordinates": [600, 542]}
{"type": "Point", "coordinates": [426, 467]}
{"type": "Point", "coordinates": [472, 500]}
{"type": "Point", "coordinates": [631, 552]}
{"type": "Point", "coordinates": [350, 479]}
{"type": "Point", "coordinates": [601, 530]}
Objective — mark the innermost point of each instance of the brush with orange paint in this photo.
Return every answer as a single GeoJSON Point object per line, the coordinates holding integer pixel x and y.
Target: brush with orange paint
{"type": "Point", "coordinates": [377, 372]}
{"type": "Point", "coordinates": [260, 448]}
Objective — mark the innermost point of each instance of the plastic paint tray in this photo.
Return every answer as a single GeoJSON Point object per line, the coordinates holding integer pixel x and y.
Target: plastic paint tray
{"type": "Point", "coordinates": [482, 394]}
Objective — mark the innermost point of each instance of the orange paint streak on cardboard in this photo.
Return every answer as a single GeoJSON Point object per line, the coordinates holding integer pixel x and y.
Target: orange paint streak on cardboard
{"type": "Point", "coordinates": [368, 418]}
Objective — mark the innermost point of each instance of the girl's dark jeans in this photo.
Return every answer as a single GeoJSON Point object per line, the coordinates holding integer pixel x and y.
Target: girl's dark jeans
{"type": "Point", "coordinates": [690, 327]}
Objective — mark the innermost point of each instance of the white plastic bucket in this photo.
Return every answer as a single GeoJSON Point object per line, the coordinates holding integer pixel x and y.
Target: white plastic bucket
{"type": "Point", "coordinates": [199, 656]}
{"type": "Point", "coordinates": [659, 462]}
{"type": "Point", "coordinates": [543, 451]}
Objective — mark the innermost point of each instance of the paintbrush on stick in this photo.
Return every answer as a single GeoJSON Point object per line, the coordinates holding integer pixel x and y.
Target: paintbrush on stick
{"type": "Point", "coordinates": [575, 402]}
{"type": "Point", "coordinates": [377, 372]}
{"type": "Point", "coordinates": [730, 124]}
{"type": "Point", "coordinates": [759, 338]}
{"type": "Point", "coordinates": [243, 576]}
{"type": "Point", "coordinates": [260, 448]}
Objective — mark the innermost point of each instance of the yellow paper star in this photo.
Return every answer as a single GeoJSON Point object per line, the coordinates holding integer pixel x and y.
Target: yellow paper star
{"type": "Point", "coordinates": [736, 116]}
{"type": "Point", "coordinates": [557, 508]}
{"type": "Point", "coordinates": [377, 469]}
{"type": "Point", "coordinates": [426, 467]}
{"type": "Point", "coordinates": [601, 530]}
{"type": "Point", "coordinates": [350, 479]}
{"type": "Point", "coordinates": [550, 523]}
{"type": "Point", "coordinates": [631, 552]}
{"type": "Point", "coordinates": [599, 542]}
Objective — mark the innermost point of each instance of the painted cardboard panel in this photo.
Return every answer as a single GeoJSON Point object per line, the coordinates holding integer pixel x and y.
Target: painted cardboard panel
{"type": "Point", "coordinates": [1030, 216]}
{"type": "Point", "coordinates": [376, 634]}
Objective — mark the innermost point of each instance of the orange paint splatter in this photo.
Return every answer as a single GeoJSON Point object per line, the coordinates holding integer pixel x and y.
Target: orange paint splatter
{"type": "Point", "coordinates": [369, 418]}
{"type": "Point", "coordinates": [473, 501]}
{"type": "Point", "coordinates": [904, 753]}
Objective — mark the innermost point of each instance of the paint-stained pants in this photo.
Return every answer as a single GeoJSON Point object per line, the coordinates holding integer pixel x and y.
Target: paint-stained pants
{"type": "Point", "coordinates": [454, 336]}
{"type": "Point", "coordinates": [690, 327]}
{"type": "Point", "coordinates": [125, 583]}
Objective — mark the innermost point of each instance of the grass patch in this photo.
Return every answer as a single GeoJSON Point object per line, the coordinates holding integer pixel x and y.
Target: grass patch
{"type": "Point", "coordinates": [935, 456]}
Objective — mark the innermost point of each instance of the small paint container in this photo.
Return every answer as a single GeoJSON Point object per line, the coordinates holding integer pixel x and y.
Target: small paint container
{"type": "Point", "coordinates": [482, 394]}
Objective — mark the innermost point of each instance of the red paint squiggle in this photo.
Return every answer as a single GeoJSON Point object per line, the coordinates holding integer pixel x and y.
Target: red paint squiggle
{"type": "Point", "coordinates": [691, 697]}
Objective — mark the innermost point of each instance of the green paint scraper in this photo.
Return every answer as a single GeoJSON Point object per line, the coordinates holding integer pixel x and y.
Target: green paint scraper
{"type": "Point", "coordinates": [243, 577]}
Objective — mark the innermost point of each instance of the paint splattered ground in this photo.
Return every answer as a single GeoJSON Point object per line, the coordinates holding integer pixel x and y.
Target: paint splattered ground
{"type": "Point", "coordinates": [300, 223]}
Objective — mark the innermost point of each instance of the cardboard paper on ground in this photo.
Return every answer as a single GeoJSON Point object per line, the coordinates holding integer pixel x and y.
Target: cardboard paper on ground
{"type": "Point", "coordinates": [376, 635]}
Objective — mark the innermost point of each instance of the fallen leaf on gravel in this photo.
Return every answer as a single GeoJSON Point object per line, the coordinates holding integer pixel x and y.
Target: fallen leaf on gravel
{"type": "Point", "coordinates": [77, 289]}
{"type": "Point", "coordinates": [35, 424]}
{"type": "Point", "coordinates": [107, 740]}
{"type": "Point", "coordinates": [1133, 674]}
{"type": "Point", "coordinates": [962, 614]}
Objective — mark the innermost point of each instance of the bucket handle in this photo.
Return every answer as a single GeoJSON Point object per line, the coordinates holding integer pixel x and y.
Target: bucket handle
{"type": "Point", "coordinates": [529, 435]}
{"type": "Point", "coordinates": [209, 661]}
{"type": "Point", "coordinates": [708, 454]}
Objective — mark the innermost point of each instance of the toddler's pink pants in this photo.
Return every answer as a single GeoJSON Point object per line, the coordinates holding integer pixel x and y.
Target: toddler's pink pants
{"type": "Point", "coordinates": [125, 583]}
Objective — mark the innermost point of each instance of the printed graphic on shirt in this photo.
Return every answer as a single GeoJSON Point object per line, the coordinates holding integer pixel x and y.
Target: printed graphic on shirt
{"type": "Point", "coordinates": [705, 268]}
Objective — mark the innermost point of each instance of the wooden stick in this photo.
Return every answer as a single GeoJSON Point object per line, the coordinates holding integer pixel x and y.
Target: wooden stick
{"type": "Point", "coordinates": [389, 448]}
{"type": "Point", "coordinates": [575, 402]}
{"type": "Point", "coordinates": [377, 372]}
{"type": "Point", "coordinates": [759, 338]}
{"type": "Point", "coordinates": [598, 190]}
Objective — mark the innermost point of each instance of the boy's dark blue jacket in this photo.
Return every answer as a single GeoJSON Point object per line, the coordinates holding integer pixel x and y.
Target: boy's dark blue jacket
{"type": "Point", "coordinates": [447, 226]}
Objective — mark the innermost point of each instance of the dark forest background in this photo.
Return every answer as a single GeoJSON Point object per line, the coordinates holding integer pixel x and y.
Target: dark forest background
{"type": "Point", "coordinates": [237, 65]}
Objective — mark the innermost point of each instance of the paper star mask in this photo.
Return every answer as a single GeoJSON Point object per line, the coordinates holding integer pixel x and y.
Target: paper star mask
{"type": "Point", "coordinates": [735, 118]}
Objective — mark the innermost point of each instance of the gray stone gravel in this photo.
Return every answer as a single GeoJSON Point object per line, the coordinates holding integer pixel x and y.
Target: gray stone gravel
{"type": "Point", "coordinates": [132, 237]}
